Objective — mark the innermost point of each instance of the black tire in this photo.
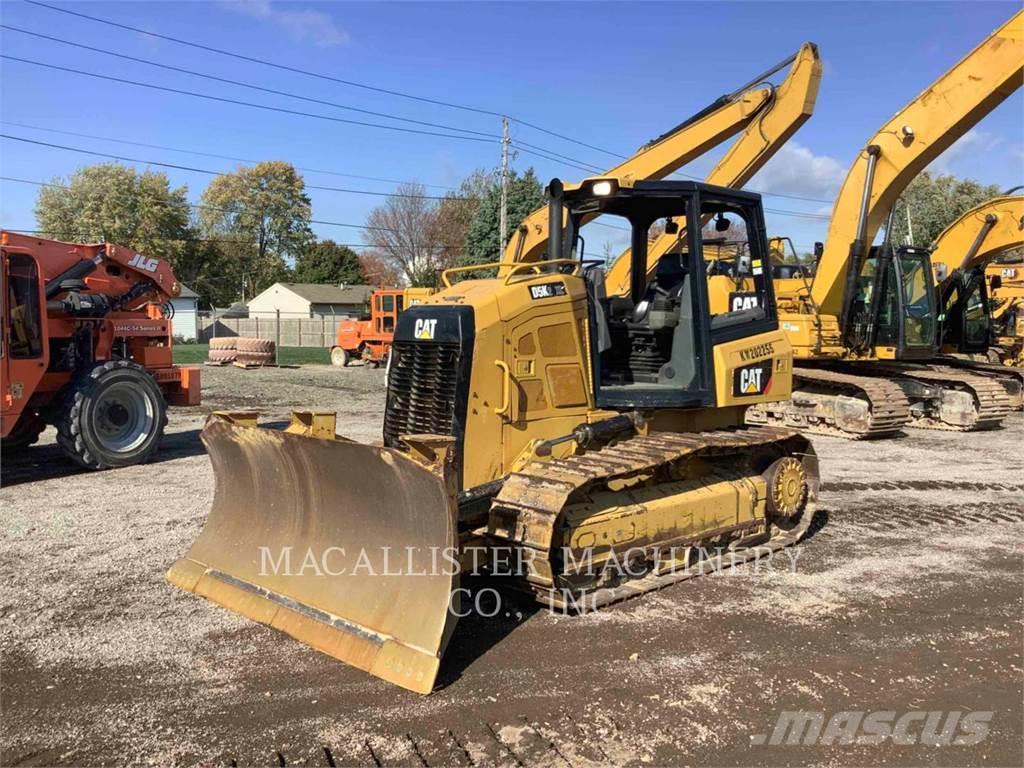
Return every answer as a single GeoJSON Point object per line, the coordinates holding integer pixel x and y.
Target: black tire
{"type": "Point", "coordinates": [114, 415]}
{"type": "Point", "coordinates": [25, 433]}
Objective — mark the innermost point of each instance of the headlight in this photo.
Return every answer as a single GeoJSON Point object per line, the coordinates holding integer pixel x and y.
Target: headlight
{"type": "Point", "coordinates": [602, 188]}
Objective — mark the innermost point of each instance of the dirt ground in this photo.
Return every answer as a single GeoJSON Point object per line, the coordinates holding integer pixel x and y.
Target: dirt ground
{"type": "Point", "coordinates": [908, 597]}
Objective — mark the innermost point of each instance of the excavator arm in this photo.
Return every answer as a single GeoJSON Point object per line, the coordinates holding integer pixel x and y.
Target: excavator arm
{"type": "Point", "coordinates": [904, 146]}
{"type": "Point", "coordinates": [790, 106]}
{"type": "Point", "coordinates": [746, 109]}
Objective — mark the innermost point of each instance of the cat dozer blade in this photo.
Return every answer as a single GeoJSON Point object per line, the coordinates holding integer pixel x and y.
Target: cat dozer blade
{"type": "Point", "coordinates": [346, 547]}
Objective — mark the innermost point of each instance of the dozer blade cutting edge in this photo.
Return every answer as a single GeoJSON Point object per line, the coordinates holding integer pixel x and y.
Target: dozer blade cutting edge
{"type": "Point", "coordinates": [344, 546]}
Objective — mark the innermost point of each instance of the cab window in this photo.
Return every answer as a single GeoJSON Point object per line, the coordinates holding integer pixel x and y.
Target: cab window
{"type": "Point", "coordinates": [23, 304]}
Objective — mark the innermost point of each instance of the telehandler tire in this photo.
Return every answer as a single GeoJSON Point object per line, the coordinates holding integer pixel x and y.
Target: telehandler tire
{"type": "Point", "coordinates": [114, 415]}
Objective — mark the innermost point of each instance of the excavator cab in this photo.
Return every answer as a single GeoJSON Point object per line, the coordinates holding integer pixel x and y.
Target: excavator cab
{"type": "Point", "coordinates": [894, 307]}
{"type": "Point", "coordinates": [966, 315]}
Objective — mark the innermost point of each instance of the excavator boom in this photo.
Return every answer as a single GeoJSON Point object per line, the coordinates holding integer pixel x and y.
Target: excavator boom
{"type": "Point", "coordinates": [905, 145]}
{"type": "Point", "coordinates": [979, 236]}
{"type": "Point", "coordinates": [767, 115]}
{"type": "Point", "coordinates": [791, 105]}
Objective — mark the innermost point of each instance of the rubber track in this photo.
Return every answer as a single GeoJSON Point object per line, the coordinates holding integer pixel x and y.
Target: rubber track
{"type": "Point", "coordinates": [542, 490]}
{"type": "Point", "coordinates": [889, 407]}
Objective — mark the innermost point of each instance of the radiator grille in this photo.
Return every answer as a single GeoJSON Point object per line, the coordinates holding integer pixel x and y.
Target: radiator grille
{"type": "Point", "coordinates": [422, 389]}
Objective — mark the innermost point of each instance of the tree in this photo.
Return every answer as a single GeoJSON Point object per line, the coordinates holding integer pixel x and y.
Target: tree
{"type": "Point", "coordinates": [327, 262]}
{"type": "Point", "coordinates": [404, 233]}
{"type": "Point", "coordinates": [456, 211]}
{"type": "Point", "coordinates": [935, 202]}
{"type": "Point", "coordinates": [525, 195]}
{"type": "Point", "coordinates": [260, 216]}
{"type": "Point", "coordinates": [110, 202]}
{"type": "Point", "coordinates": [378, 272]}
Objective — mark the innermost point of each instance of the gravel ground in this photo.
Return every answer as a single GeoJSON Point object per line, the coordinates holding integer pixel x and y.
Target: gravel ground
{"type": "Point", "coordinates": [908, 597]}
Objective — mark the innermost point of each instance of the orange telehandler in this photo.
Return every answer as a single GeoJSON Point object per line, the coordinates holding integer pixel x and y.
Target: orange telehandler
{"type": "Point", "coordinates": [87, 348]}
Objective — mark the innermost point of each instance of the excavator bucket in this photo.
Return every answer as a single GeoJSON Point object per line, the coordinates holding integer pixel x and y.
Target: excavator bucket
{"type": "Point", "coordinates": [350, 548]}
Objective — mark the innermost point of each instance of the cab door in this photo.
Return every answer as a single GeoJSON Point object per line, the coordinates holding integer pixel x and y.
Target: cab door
{"type": "Point", "coordinates": [23, 352]}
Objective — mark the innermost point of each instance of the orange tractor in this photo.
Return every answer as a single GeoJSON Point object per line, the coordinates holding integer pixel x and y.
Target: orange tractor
{"type": "Point", "coordinates": [369, 339]}
{"type": "Point", "coordinates": [87, 347]}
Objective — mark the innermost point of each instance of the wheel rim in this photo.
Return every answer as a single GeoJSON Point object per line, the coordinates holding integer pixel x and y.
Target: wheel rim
{"type": "Point", "coordinates": [123, 418]}
{"type": "Point", "coordinates": [338, 356]}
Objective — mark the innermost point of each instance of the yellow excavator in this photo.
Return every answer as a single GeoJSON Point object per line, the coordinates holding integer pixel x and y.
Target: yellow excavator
{"type": "Point", "coordinates": [765, 116]}
{"type": "Point", "coordinates": [1006, 292]}
{"type": "Point", "coordinates": [597, 442]}
{"type": "Point", "coordinates": [864, 328]}
{"type": "Point", "coordinates": [959, 258]}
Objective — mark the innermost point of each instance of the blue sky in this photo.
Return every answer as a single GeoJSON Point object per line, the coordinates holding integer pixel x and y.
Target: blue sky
{"type": "Point", "coordinates": [612, 74]}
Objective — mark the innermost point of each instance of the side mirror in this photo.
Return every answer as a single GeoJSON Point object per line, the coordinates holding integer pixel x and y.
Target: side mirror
{"type": "Point", "coordinates": [671, 227]}
{"type": "Point", "coordinates": [941, 272]}
{"type": "Point", "coordinates": [995, 283]}
{"type": "Point", "coordinates": [743, 264]}
{"type": "Point", "coordinates": [819, 250]}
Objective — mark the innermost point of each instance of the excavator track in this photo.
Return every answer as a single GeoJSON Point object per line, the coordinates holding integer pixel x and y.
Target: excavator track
{"type": "Point", "coordinates": [531, 508]}
{"type": "Point", "coordinates": [1011, 379]}
{"type": "Point", "coordinates": [838, 404]}
{"type": "Point", "coordinates": [982, 403]}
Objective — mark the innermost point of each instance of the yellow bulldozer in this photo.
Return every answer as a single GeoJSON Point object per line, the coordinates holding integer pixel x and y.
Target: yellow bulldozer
{"type": "Point", "coordinates": [528, 414]}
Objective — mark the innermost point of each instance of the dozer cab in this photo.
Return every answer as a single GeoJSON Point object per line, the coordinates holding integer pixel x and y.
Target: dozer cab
{"type": "Point", "coordinates": [528, 414]}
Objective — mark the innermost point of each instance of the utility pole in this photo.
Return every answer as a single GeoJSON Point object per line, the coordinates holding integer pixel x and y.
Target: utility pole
{"type": "Point", "coordinates": [910, 227]}
{"type": "Point", "coordinates": [503, 226]}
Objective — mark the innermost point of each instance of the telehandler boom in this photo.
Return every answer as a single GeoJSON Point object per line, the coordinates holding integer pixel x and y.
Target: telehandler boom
{"type": "Point", "coordinates": [870, 311]}
{"type": "Point", "coordinates": [528, 414]}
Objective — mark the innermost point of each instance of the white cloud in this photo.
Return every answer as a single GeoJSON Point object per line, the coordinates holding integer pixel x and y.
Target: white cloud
{"type": "Point", "coordinates": [971, 143]}
{"type": "Point", "coordinates": [304, 25]}
{"type": "Point", "coordinates": [796, 170]}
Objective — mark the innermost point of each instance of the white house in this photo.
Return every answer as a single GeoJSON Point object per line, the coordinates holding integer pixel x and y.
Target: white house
{"type": "Point", "coordinates": [311, 300]}
{"type": "Point", "coordinates": [186, 310]}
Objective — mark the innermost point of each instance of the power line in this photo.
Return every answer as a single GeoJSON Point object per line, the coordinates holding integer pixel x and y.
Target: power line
{"type": "Point", "coordinates": [240, 103]}
{"type": "Point", "coordinates": [213, 155]}
{"type": "Point", "coordinates": [196, 206]}
{"type": "Point", "coordinates": [207, 171]}
{"type": "Point", "coordinates": [318, 75]}
{"type": "Point", "coordinates": [247, 85]}
{"type": "Point", "coordinates": [580, 165]}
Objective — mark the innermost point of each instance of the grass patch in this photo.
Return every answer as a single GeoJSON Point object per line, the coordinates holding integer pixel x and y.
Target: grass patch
{"type": "Point", "coordinates": [195, 354]}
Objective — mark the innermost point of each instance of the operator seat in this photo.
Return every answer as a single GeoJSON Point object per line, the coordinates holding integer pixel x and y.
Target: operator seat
{"type": "Point", "coordinates": [664, 289]}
